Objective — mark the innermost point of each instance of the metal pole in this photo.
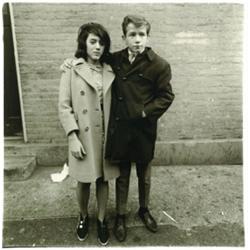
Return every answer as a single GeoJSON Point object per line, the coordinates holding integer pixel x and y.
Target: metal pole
{"type": "Point", "coordinates": [18, 71]}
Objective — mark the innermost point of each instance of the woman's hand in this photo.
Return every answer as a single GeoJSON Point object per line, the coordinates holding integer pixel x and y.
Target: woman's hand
{"type": "Point", "coordinates": [67, 64]}
{"type": "Point", "coordinates": [75, 146]}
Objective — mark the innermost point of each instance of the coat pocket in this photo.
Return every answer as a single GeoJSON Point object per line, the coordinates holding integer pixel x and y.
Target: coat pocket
{"type": "Point", "coordinates": [135, 110]}
{"type": "Point", "coordinates": [146, 77]}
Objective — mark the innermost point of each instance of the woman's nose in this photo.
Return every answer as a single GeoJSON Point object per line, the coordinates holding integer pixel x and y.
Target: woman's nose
{"type": "Point", "coordinates": [98, 46]}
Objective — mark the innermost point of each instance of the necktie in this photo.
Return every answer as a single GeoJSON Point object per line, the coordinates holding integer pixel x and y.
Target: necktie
{"type": "Point", "coordinates": [132, 57]}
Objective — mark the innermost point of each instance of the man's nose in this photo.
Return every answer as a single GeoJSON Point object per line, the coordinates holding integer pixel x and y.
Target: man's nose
{"type": "Point", "coordinates": [137, 38]}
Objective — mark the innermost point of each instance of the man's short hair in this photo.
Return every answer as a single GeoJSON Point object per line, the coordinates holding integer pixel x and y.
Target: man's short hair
{"type": "Point", "coordinates": [137, 20]}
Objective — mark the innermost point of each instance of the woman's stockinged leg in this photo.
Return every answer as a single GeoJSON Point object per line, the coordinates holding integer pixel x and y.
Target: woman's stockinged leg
{"type": "Point", "coordinates": [83, 193]}
{"type": "Point", "coordinates": [102, 192]}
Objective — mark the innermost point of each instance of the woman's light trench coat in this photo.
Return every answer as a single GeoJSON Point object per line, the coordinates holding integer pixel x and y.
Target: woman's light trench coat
{"type": "Point", "coordinates": [79, 109]}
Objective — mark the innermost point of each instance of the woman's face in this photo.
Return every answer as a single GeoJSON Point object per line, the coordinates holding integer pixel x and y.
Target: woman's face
{"type": "Point", "coordinates": [95, 48]}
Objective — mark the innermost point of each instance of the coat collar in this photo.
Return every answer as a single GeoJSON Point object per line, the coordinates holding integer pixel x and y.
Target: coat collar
{"type": "Point", "coordinates": [148, 52]}
{"type": "Point", "coordinates": [82, 68]}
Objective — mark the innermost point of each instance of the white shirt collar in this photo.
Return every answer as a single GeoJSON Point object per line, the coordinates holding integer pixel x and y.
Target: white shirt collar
{"type": "Point", "coordinates": [130, 53]}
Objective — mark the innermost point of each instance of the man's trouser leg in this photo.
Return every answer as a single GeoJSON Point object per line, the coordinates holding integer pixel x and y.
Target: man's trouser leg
{"type": "Point", "coordinates": [144, 183]}
{"type": "Point", "coordinates": [122, 187]}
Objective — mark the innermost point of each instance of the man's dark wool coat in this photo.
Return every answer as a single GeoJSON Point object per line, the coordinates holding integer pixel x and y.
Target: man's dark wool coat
{"type": "Point", "coordinates": [145, 86]}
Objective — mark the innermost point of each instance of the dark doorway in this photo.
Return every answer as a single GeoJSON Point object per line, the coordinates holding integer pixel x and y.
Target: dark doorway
{"type": "Point", "coordinates": [12, 112]}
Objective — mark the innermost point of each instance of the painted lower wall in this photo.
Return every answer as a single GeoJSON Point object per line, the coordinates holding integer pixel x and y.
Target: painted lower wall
{"type": "Point", "coordinates": [182, 152]}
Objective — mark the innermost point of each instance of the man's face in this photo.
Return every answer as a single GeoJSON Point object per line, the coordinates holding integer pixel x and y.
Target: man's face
{"type": "Point", "coordinates": [136, 38]}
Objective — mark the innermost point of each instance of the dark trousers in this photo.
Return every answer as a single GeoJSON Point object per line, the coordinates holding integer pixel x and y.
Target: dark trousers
{"type": "Point", "coordinates": [122, 185]}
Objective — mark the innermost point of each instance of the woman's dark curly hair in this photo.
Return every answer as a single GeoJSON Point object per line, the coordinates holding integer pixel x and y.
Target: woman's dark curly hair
{"type": "Point", "coordinates": [98, 30]}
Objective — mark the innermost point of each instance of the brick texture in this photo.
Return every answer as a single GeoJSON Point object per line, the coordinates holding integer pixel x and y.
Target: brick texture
{"type": "Point", "coordinates": [202, 42]}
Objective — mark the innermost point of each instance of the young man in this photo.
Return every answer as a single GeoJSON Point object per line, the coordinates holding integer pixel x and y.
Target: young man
{"type": "Point", "coordinates": [141, 93]}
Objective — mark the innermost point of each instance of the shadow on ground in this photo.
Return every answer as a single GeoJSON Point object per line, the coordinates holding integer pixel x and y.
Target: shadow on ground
{"type": "Point", "coordinates": [60, 232]}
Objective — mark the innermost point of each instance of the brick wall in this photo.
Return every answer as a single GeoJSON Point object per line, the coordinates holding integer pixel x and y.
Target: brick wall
{"type": "Point", "coordinates": [202, 42]}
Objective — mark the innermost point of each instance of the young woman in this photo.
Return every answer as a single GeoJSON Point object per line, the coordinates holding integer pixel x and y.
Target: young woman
{"type": "Point", "coordinates": [84, 109]}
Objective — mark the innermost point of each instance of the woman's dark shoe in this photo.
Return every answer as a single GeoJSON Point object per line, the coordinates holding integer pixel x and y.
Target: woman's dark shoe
{"type": "Point", "coordinates": [148, 219]}
{"type": "Point", "coordinates": [120, 230]}
{"type": "Point", "coordinates": [102, 232]}
{"type": "Point", "coordinates": [82, 228]}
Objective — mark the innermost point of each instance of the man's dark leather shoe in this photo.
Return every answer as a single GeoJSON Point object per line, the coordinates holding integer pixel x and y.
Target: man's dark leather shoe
{"type": "Point", "coordinates": [148, 219]}
{"type": "Point", "coordinates": [120, 230]}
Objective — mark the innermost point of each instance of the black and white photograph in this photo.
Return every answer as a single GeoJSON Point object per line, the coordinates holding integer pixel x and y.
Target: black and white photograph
{"type": "Point", "coordinates": [123, 124]}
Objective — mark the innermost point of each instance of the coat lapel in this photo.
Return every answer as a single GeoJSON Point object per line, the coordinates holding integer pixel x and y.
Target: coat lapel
{"type": "Point", "coordinates": [108, 77]}
{"type": "Point", "coordinates": [83, 70]}
{"type": "Point", "coordinates": [139, 63]}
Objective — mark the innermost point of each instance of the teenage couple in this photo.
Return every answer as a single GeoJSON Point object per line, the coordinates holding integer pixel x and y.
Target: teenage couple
{"type": "Point", "coordinates": [108, 106]}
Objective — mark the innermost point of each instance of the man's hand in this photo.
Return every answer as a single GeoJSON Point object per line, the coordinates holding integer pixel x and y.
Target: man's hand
{"type": "Point", "coordinates": [67, 64]}
{"type": "Point", "coordinates": [75, 146]}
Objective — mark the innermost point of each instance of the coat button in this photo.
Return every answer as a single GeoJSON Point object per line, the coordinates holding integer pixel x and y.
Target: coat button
{"type": "Point", "coordinates": [82, 92]}
{"type": "Point", "coordinates": [120, 98]}
{"type": "Point", "coordinates": [86, 129]}
{"type": "Point", "coordinates": [84, 111]}
{"type": "Point", "coordinates": [117, 118]}
{"type": "Point", "coordinates": [124, 78]}
{"type": "Point", "coordinates": [140, 74]}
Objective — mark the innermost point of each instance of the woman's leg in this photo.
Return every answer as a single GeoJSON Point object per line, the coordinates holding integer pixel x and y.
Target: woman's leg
{"type": "Point", "coordinates": [83, 192]}
{"type": "Point", "coordinates": [102, 192]}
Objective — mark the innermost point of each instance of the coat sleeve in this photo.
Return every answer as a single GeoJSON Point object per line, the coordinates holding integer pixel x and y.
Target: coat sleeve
{"type": "Point", "coordinates": [65, 108]}
{"type": "Point", "coordinates": [164, 95]}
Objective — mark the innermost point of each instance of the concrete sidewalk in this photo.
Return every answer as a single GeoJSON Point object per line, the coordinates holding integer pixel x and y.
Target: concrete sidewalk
{"type": "Point", "coordinates": [204, 204]}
